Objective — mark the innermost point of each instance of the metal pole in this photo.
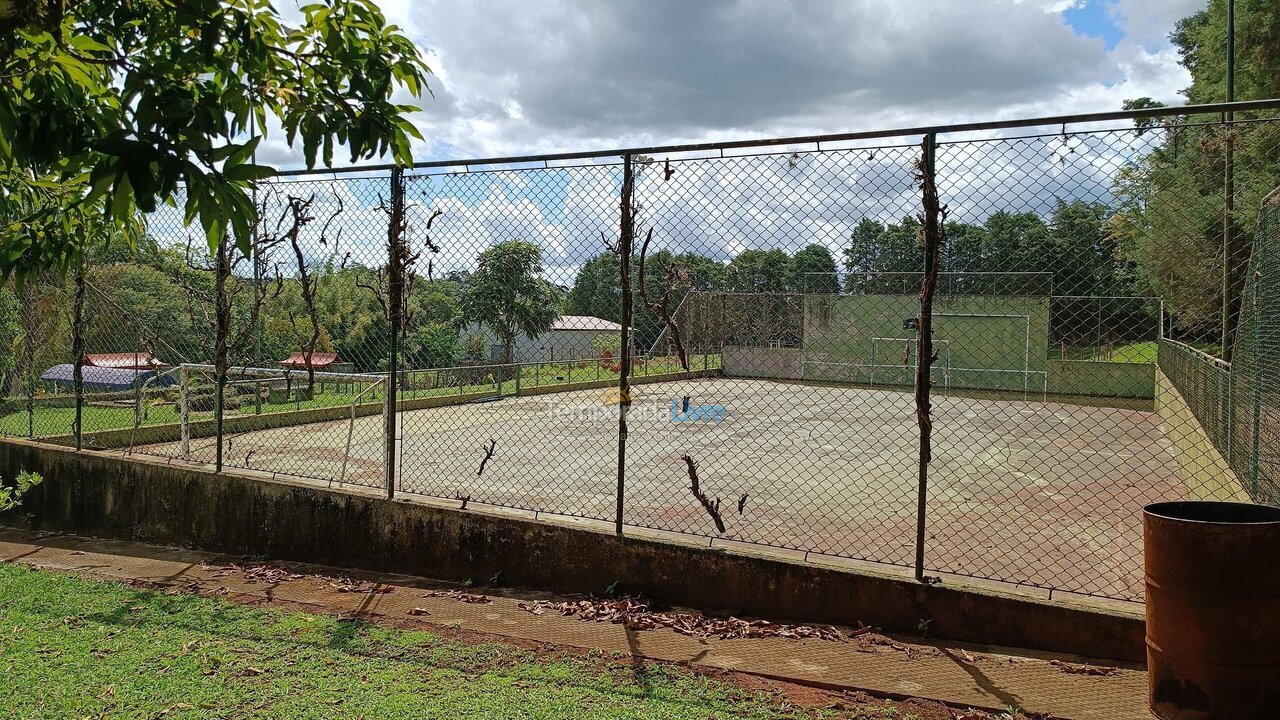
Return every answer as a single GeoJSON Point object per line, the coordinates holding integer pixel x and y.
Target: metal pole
{"type": "Point", "coordinates": [1230, 252]}
{"type": "Point", "coordinates": [1255, 388]}
{"type": "Point", "coordinates": [395, 307]}
{"type": "Point", "coordinates": [184, 409]}
{"type": "Point", "coordinates": [77, 343]}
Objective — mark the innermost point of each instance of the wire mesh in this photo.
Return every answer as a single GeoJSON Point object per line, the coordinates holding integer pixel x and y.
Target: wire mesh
{"type": "Point", "coordinates": [1102, 338]}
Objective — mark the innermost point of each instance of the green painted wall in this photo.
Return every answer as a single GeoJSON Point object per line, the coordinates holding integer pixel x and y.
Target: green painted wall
{"type": "Point", "coordinates": [1107, 379]}
{"type": "Point", "coordinates": [983, 342]}
{"type": "Point", "coordinates": [1203, 469]}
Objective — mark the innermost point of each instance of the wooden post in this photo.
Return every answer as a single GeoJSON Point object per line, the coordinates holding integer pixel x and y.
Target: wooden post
{"type": "Point", "coordinates": [626, 227]}
{"type": "Point", "coordinates": [932, 217]}
{"type": "Point", "coordinates": [396, 254]}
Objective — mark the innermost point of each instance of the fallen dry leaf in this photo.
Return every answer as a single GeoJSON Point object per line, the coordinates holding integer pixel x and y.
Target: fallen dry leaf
{"type": "Point", "coordinates": [1098, 670]}
{"type": "Point", "coordinates": [253, 573]}
{"type": "Point", "coordinates": [352, 585]}
{"type": "Point", "coordinates": [459, 596]}
{"type": "Point", "coordinates": [637, 616]}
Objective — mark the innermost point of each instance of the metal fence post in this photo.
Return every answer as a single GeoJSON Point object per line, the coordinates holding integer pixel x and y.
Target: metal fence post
{"type": "Point", "coordinates": [396, 253]}
{"type": "Point", "coordinates": [184, 409]}
{"type": "Point", "coordinates": [77, 349]}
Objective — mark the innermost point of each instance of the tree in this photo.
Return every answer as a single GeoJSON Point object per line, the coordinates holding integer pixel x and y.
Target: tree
{"type": "Point", "coordinates": [1172, 202]}
{"type": "Point", "coordinates": [1201, 40]}
{"type": "Point", "coordinates": [813, 270]}
{"type": "Point", "coordinates": [596, 290]}
{"type": "Point", "coordinates": [759, 271]}
{"type": "Point", "coordinates": [507, 295]}
{"type": "Point", "coordinates": [875, 248]}
{"type": "Point", "coordinates": [432, 346]}
{"type": "Point", "coordinates": [129, 102]}
{"type": "Point", "coordinates": [8, 340]}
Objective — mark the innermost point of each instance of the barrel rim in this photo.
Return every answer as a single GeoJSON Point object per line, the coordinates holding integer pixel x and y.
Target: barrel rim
{"type": "Point", "coordinates": [1209, 512]}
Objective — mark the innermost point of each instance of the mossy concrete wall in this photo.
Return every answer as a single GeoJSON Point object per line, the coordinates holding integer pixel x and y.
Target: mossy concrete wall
{"type": "Point", "coordinates": [1103, 379]}
{"type": "Point", "coordinates": [1203, 469]}
{"type": "Point", "coordinates": [104, 495]}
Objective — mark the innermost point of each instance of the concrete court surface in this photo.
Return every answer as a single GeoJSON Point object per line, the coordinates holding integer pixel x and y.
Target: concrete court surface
{"type": "Point", "coordinates": [1023, 491]}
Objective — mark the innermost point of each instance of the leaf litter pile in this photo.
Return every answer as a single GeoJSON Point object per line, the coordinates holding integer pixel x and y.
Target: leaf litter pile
{"type": "Point", "coordinates": [275, 574]}
{"type": "Point", "coordinates": [459, 596]}
{"type": "Point", "coordinates": [255, 573]}
{"type": "Point", "coordinates": [636, 615]}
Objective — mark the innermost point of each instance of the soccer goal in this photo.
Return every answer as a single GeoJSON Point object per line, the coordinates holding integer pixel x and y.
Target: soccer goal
{"type": "Point", "coordinates": [990, 331]}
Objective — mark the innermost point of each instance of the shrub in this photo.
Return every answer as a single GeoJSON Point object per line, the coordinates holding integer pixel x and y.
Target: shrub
{"type": "Point", "coordinates": [11, 495]}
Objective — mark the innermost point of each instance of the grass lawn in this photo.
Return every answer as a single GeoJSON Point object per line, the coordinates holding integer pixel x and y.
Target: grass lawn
{"type": "Point", "coordinates": [74, 648]}
{"type": "Point", "coordinates": [1139, 352]}
{"type": "Point", "coordinates": [58, 421]}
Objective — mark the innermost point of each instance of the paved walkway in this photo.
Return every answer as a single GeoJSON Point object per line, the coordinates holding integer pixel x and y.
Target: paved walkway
{"type": "Point", "coordinates": [960, 675]}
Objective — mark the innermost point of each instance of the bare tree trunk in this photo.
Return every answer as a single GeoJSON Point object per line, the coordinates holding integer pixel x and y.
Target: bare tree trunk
{"type": "Point", "coordinates": [931, 221]}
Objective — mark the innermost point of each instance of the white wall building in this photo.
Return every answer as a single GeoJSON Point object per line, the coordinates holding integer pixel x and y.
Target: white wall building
{"type": "Point", "coordinates": [570, 338]}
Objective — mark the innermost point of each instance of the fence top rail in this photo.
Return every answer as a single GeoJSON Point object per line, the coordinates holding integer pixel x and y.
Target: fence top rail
{"type": "Point", "coordinates": [1216, 361]}
{"type": "Point", "coordinates": [638, 357]}
{"type": "Point", "coordinates": [283, 373]}
{"type": "Point", "coordinates": [1077, 118]}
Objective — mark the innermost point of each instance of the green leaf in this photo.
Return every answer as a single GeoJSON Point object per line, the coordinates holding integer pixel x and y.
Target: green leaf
{"type": "Point", "coordinates": [244, 152]}
{"type": "Point", "coordinates": [143, 183]}
{"type": "Point", "coordinates": [248, 173]}
{"type": "Point", "coordinates": [121, 204]}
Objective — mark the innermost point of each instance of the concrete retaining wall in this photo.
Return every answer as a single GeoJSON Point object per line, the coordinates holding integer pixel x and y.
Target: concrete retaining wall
{"type": "Point", "coordinates": [1065, 377]}
{"type": "Point", "coordinates": [762, 362]}
{"type": "Point", "coordinates": [103, 495]}
{"type": "Point", "coordinates": [1203, 469]}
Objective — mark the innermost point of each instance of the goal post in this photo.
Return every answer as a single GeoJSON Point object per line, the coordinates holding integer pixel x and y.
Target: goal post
{"type": "Point", "coordinates": [991, 331]}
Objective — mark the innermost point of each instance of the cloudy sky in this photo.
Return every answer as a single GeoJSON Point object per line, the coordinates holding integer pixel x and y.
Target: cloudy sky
{"type": "Point", "coordinates": [517, 77]}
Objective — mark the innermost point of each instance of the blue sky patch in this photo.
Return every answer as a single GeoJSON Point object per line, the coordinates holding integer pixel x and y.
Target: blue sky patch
{"type": "Point", "coordinates": [1093, 18]}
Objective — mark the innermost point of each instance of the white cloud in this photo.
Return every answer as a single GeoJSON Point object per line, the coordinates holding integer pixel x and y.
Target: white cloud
{"type": "Point", "coordinates": [517, 77]}
{"type": "Point", "coordinates": [1149, 22]}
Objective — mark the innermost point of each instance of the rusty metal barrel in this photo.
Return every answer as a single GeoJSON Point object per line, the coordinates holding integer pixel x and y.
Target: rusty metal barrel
{"type": "Point", "coordinates": [1213, 610]}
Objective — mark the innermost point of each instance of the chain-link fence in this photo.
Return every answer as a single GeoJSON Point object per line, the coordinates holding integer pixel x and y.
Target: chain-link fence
{"type": "Point", "coordinates": [722, 341]}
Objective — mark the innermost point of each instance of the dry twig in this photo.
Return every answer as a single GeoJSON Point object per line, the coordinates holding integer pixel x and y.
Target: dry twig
{"type": "Point", "coordinates": [488, 453]}
{"type": "Point", "coordinates": [712, 507]}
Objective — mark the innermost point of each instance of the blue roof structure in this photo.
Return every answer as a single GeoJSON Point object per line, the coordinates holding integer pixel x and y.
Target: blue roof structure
{"type": "Point", "coordinates": [102, 379]}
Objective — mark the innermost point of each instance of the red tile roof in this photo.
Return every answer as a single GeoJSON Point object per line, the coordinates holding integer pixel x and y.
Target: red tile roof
{"type": "Point", "coordinates": [318, 359]}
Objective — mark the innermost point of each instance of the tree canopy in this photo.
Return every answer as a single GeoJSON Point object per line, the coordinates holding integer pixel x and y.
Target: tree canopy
{"type": "Point", "coordinates": [508, 295]}
{"type": "Point", "coordinates": [1172, 201]}
{"type": "Point", "coordinates": [124, 104]}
